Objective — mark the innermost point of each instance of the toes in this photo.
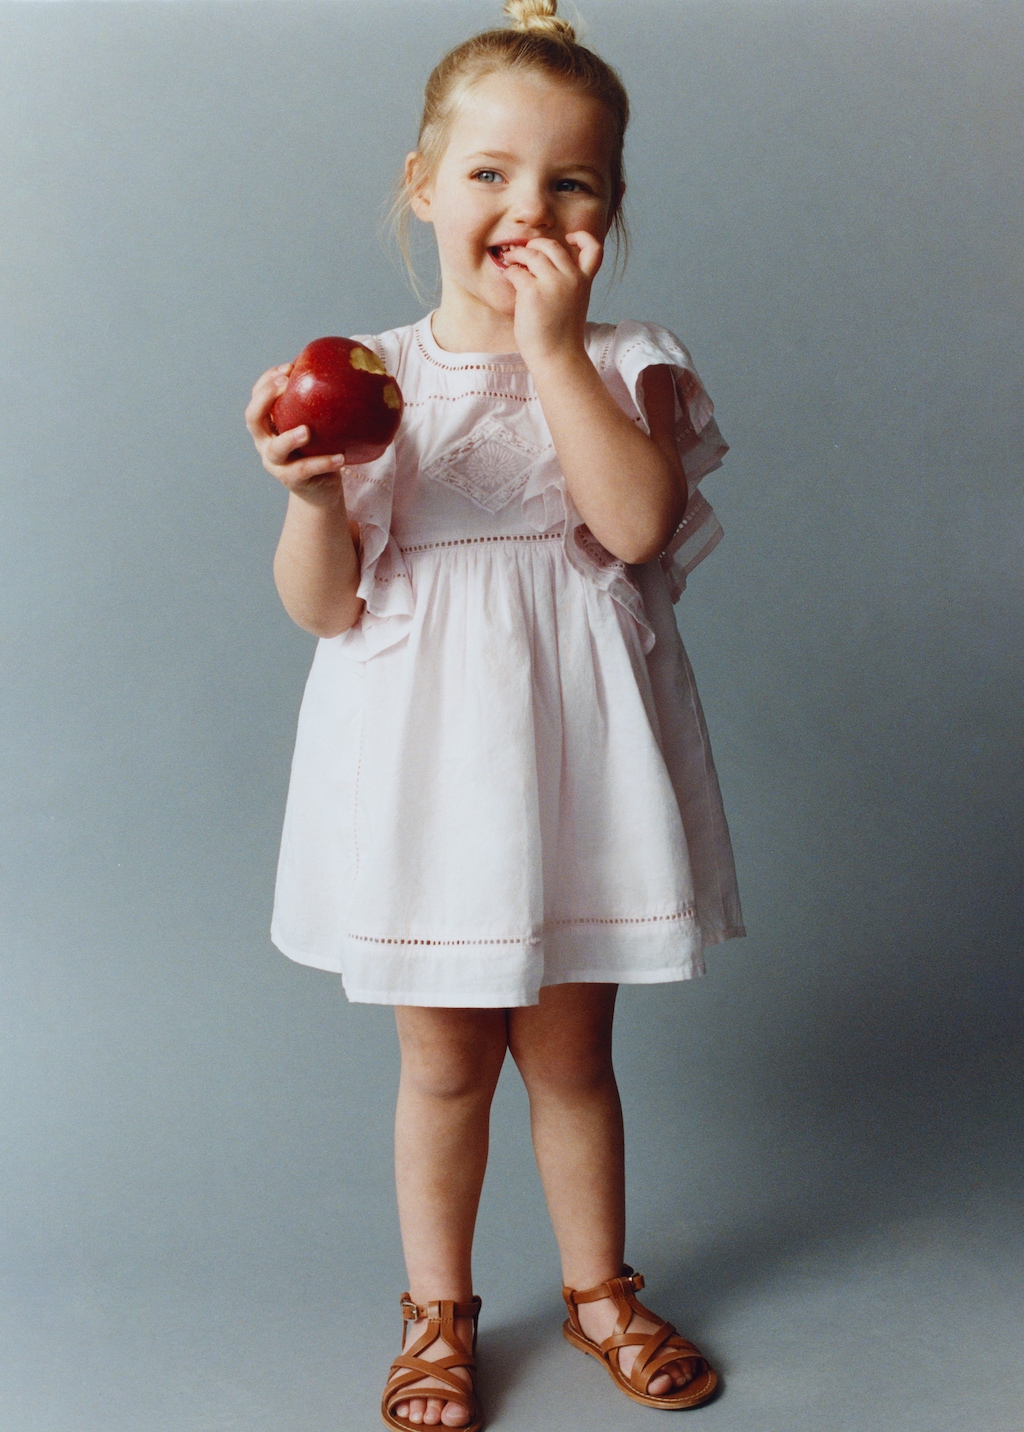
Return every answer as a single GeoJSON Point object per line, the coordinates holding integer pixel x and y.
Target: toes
{"type": "Point", "coordinates": [685, 1371]}
{"type": "Point", "coordinates": [681, 1372]}
{"type": "Point", "coordinates": [673, 1377]}
{"type": "Point", "coordinates": [432, 1412]}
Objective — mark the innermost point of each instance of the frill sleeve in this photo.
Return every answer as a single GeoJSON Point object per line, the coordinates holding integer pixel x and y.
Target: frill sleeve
{"type": "Point", "coordinates": [634, 347]}
{"type": "Point", "coordinates": [385, 586]}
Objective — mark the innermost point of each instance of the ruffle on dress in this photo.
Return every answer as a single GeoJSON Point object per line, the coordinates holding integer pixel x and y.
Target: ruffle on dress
{"type": "Point", "coordinates": [385, 586]}
{"type": "Point", "coordinates": [620, 355]}
{"type": "Point", "coordinates": [634, 347]}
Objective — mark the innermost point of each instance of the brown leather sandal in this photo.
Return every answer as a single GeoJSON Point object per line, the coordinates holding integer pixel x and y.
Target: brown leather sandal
{"type": "Point", "coordinates": [657, 1348]}
{"type": "Point", "coordinates": [410, 1367]}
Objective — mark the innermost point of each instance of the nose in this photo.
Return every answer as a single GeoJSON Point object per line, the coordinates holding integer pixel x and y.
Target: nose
{"type": "Point", "coordinates": [531, 205]}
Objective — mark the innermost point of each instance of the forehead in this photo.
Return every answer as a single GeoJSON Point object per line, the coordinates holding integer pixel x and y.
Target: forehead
{"type": "Point", "coordinates": [531, 116]}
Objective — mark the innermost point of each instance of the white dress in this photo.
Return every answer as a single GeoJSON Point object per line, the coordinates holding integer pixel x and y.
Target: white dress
{"type": "Point", "coordinates": [502, 777]}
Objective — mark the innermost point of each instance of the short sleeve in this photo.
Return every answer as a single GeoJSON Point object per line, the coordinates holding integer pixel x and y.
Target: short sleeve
{"type": "Point", "coordinates": [385, 586]}
{"type": "Point", "coordinates": [621, 358]}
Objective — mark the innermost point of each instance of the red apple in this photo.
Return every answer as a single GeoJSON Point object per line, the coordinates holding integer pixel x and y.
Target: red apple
{"type": "Point", "coordinates": [342, 392]}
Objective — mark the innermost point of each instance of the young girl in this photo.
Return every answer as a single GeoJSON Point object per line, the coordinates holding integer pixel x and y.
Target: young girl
{"type": "Point", "coordinates": [503, 802]}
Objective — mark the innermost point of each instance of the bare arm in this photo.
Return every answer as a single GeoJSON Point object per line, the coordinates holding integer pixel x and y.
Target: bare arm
{"type": "Point", "coordinates": [628, 487]}
{"type": "Point", "coordinates": [316, 566]}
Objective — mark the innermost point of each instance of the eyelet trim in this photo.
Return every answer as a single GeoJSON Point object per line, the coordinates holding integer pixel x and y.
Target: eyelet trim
{"type": "Point", "coordinates": [470, 541]}
{"type": "Point", "coordinates": [516, 366]}
{"type": "Point", "coordinates": [473, 393]}
{"type": "Point", "coordinates": [409, 940]}
{"type": "Point", "coordinates": [688, 912]}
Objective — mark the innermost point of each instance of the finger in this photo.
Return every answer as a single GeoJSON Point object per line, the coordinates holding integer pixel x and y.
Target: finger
{"type": "Point", "coordinates": [266, 390]}
{"type": "Point", "coordinates": [280, 448]}
{"type": "Point", "coordinates": [271, 378]}
{"type": "Point", "coordinates": [589, 251]}
{"type": "Point", "coordinates": [550, 251]}
{"type": "Point", "coordinates": [519, 276]}
{"type": "Point", "coordinates": [306, 470]}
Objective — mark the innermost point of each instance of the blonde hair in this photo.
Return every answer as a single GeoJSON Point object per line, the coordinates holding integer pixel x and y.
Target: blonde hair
{"type": "Point", "coordinates": [537, 41]}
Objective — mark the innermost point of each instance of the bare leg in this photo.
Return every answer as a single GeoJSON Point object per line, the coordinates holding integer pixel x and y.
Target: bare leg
{"type": "Point", "coordinates": [451, 1059]}
{"type": "Point", "coordinates": [563, 1049]}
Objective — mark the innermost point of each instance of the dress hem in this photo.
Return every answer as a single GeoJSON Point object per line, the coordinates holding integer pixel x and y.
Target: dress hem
{"type": "Point", "coordinates": [429, 999]}
{"type": "Point", "coordinates": [516, 994]}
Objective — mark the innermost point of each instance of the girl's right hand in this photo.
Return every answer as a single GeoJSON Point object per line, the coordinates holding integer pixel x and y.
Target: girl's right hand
{"type": "Point", "coordinates": [317, 479]}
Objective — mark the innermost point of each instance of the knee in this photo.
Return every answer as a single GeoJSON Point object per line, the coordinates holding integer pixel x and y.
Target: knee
{"type": "Point", "coordinates": [452, 1065]}
{"type": "Point", "coordinates": [448, 1080]}
{"type": "Point", "coordinates": [564, 1069]}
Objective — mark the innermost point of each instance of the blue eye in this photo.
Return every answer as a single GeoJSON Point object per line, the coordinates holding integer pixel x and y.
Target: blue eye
{"type": "Point", "coordinates": [487, 176]}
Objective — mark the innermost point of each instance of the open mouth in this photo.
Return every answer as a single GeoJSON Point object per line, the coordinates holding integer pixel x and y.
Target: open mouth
{"type": "Point", "coordinates": [500, 252]}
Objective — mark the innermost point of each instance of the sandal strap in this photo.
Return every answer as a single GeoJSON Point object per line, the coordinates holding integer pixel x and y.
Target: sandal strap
{"type": "Point", "coordinates": [662, 1347]}
{"type": "Point", "coordinates": [619, 1289]}
{"type": "Point", "coordinates": [627, 1282]}
{"type": "Point", "coordinates": [433, 1312]}
{"type": "Point", "coordinates": [407, 1371]}
{"type": "Point", "coordinates": [410, 1368]}
{"type": "Point", "coordinates": [657, 1348]}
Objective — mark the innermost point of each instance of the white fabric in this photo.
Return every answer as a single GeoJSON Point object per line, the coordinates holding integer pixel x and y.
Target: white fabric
{"type": "Point", "coordinates": [502, 777]}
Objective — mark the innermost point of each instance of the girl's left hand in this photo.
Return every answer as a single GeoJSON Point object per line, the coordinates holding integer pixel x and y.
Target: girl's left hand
{"type": "Point", "coordinates": [552, 283]}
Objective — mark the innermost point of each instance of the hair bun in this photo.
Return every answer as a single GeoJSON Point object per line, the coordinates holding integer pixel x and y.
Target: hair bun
{"type": "Point", "coordinates": [537, 17]}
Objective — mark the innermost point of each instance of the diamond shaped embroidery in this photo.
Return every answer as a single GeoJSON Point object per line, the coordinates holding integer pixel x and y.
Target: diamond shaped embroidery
{"type": "Point", "coordinates": [489, 466]}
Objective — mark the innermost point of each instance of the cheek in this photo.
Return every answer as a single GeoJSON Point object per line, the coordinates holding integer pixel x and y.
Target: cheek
{"type": "Point", "coordinates": [450, 237]}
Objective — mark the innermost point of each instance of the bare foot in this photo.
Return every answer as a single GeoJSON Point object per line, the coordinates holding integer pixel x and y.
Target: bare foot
{"type": "Point", "coordinates": [598, 1321]}
{"type": "Point", "coordinates": [424, 1410]}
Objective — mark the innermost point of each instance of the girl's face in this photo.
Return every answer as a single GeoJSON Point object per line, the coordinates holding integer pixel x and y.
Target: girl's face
{"type": "Point", "coordinates": [526, 158]}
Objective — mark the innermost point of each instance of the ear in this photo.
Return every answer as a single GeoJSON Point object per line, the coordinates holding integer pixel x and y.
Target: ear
{"type": "Point", "coordinates": [419, 192]}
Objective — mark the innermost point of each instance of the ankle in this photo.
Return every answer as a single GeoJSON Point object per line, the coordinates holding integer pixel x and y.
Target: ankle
{"type": "Point", "coordinates": [591, 1273]}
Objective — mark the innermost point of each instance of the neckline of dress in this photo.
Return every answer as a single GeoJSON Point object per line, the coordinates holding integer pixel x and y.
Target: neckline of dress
{"type": "Point", "coordinates": [461, 362]}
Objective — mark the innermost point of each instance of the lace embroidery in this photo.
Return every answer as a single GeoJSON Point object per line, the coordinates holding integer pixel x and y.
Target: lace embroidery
{"type": "Point", "coordinates": [468, 541]}
{"type": "Point", "coordinates": [489, 467]}
{"type": "Point", "coordinates": [597, 552]}
{"type": "Point", "coordinates": [688, 912]}
{"type": "Point", "coordinates": [514, 366]}
{"type": "Point", "coordinates": [409, 940]}
{"type": "Point", "coordinates": [473, 393]}
{"type": "Point", "coordinates": [600, 362]}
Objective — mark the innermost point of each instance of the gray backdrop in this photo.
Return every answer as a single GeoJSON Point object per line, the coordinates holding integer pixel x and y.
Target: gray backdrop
{"type": "Point", "coordinates": [196, 1217]}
